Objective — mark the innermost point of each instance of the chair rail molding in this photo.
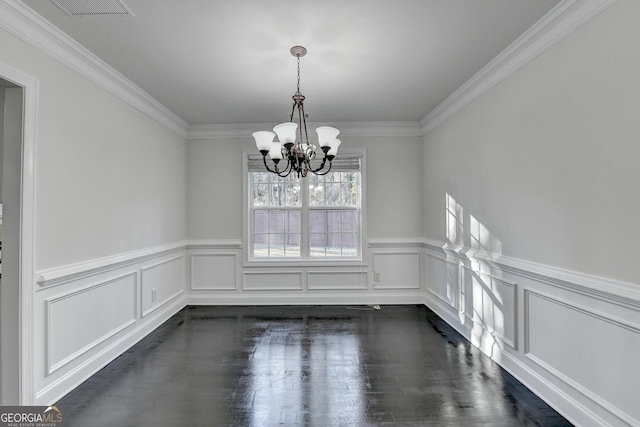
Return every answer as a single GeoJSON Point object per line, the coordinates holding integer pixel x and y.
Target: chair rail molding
{"type": "Point", "coordinates": [71, 272]}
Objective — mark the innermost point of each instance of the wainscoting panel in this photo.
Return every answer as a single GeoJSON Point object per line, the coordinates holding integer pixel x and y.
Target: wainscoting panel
{"type": "Point", "coordinates": [574, 339]}
{"type": "Point", "coordinates": [442, 280]}
{"type": "Point", "coordinates": [323, 281]}
{"type": "Point", "coordinates": [214, 271]}
{"type": "Point", "coordinates": [161, 282]}
{"type": "Point", "coordinates": [267, 280]}
{"type": "Point", "coordinates": [80, 320]}
{"type": "Point", "coordinates": [579, 346]}
{"type": "Point", "coordinates": [491, 304]}
{"type": "Point", "coordinates": [336, 280]}
{"type": "Point", "coordinates": [92, 312]}
{"type": "Point", "coordinates": [396, 270]}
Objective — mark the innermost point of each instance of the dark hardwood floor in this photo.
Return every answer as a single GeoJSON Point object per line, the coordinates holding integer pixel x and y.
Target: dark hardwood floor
{"type": "Point", "coordinates": [308, 366]}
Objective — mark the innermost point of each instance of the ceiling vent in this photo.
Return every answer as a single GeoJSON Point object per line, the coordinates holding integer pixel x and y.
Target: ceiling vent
{"type": "Point", "coordinates": [92, 7]}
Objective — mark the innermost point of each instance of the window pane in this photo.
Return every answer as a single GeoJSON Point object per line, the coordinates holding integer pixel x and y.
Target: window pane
{"type": "Point", "coordinates": [260, 221]}
{"type": "Point", "coordinates": [293, 221]}
{"type": "Point", "coordinates": [292, 193]}
{"type": "Point", "coordinates": [334, 244]}
{"type": "Point", "coordinates": [316, 193]}
{"type": "Point", "coordinates": [334, 221]}
{"type": "Point", "coordinates": [260, 233]}
{"type": "Point", "coordinates": [261, 177]}
{"type": "Point", "coordinates": [260, 195]}
{"type": "Point", "coordinates": [276, 233]}
{"type": "Point", "coordinates": [349, 244]}
{"type": "Point", "coordinates": [276, 245]}
{"type": "Point", "coordinates": [293, 245]}
{"type": "Point", "coordinates": [277, 194]}
{"type": "Point", "coordinates": [317, 221]}
{"type": "Point", "coordinates": [349, 221]}
{"type": "Point", "coordinates": [332, 194]}
{"type": "Point", "coordinates": [272, 190]}
{"type": "Point", "coordinates": [317, 243]}
{"type": "Point", "coordinates": [332, 202]}
{"type": "Point", "coordinates": [335, 189]}
{"type": "Point", "coordinates": [276, 221]}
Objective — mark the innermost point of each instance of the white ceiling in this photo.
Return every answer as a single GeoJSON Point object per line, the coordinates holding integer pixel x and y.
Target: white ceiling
{"type": "Point", "coordinates": [228, 62]}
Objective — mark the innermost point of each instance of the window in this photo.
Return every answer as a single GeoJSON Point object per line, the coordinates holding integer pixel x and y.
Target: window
{"type": "Point", "coordinates": [317, 217]}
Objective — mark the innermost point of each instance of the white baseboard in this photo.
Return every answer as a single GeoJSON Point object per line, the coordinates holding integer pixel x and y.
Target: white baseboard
{"type": "Point", "coordinates": [307, 299]}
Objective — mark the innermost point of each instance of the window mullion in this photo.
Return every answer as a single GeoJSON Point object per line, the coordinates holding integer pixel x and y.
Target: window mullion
{"type": "Point", "coordinates": [304, 218]}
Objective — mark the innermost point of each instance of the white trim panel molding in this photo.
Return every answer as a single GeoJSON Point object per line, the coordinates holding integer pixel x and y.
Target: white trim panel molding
{"type": "Point", "coordinates": [71, 326]}
{"type": "Point", "coordinates": [87, 314]}
{"type": "Point", "coordinates": [218, 276]}
{"type": "Point", "coordinates": [571, 337]}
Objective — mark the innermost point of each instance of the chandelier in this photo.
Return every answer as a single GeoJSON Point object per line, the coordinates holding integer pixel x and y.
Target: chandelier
{"type": "Point", "coordinates": [293, 139]}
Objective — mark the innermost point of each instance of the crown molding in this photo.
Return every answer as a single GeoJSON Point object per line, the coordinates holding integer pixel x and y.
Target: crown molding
{"type": "Point", "coordinates": [561, 21]}
{"type": "Point", "coordinates": [21, 21]}
{"type": "Point", "coordinates": [24, 23]}
{"type": "Point", "coordinates": [227, 131]}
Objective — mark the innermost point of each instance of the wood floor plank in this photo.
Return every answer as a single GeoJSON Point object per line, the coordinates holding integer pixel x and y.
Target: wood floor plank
{"type": "Point", "coordinates": [304, 366]}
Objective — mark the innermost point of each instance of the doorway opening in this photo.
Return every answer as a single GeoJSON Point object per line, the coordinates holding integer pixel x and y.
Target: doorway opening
{"type": "Point", "coordinates": [11, 127]}
{"type": "Point", "coordinates": [18, 96]}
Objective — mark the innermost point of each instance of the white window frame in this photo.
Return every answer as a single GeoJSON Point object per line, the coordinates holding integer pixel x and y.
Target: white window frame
{"type": "Point", "coordinates": [305, 259]}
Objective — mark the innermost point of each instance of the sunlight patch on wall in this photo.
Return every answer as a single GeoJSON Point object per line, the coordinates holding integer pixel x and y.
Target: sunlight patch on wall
{"type": "Point", "coordinates": [455, 221]}
{"type": "Point", "coordinates": [478, 286]}
{"type": "Point", "coordinates": [454, 215]}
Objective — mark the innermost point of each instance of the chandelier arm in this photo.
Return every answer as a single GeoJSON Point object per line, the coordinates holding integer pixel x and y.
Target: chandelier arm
{"type": "Point", "coordinates": [264, 159]}
{"type": "Point", "coordinates": [287, 170]}
{"type": "Point", "coordinates": [284, 175]}
{"type": "Point", "coordinates": [317, 171]}
{"type": "Point", "coordinates": [276, 171]}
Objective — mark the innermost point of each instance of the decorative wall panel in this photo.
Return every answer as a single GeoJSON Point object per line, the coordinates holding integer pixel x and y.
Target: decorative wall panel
{"type": "Point", "coordinates": [396, 270]}
{"type": "Point", "coordinates": [161, 282]}
{"type": "Point", "coordinates": [491, 303]}
{"type": "Point", "coordinates": [80, 320]}
{"type": "Point", "coordinates": [442, 280]}
{"type": "Point", "coordinates": [336, 280]}
{"type": "Point", "coordinates": [577, 344]}
{"type": "Point", "coordinates": [214, 271]}
{"type": "Point", "coordinates": [271, 281]}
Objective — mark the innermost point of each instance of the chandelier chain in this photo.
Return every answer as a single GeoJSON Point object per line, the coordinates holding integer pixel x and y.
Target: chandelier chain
{"type": "Point", "coordinates": [298, 57]}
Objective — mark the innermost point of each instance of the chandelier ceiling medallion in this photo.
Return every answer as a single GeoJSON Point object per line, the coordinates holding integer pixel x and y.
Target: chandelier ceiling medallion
{"type": "Point", "coordinates": [295, 146]}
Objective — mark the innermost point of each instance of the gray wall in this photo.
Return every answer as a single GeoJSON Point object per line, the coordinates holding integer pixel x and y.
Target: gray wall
{"type": "Point", "coordinates": [109, 178]}
{"type": "Point", "coordinates": [110, 209]}
{"type": "Point", "coordinates": [394, 195]}
{"type": "Point", "coordinates": [547, 161]}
